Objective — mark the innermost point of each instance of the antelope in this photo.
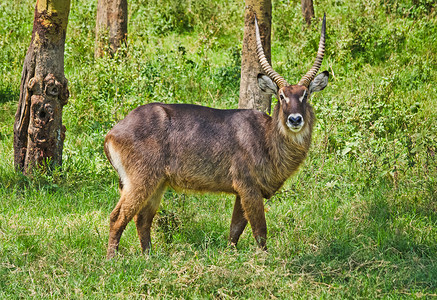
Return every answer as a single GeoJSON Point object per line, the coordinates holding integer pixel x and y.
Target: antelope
{"type": "Point", "coordinates": [189, 147]}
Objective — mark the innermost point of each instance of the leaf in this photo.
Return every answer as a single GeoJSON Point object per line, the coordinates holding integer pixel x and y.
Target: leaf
{"type": "Point", "coordinates": [346, 151]}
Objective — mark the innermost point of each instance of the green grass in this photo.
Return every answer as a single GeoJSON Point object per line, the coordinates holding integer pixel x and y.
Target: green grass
{"type": "Point", "coordinates": [358, 221]}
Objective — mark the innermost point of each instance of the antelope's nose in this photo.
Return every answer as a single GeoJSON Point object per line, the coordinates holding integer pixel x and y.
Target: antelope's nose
{"type": "Point", "coordinates": [295, 119]}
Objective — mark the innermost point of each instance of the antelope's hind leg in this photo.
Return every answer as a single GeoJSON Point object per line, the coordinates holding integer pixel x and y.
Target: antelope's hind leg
{"type": "Point", "coordinates": [238, 222]}
{"type": "Point", "coordinates": [131, 201]}
{"type": "Point", "coordinates": [144, 218]}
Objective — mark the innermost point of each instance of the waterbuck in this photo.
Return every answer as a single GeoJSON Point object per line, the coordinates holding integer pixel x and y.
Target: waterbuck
{"type": "Point", "coordinates": [238, 151]}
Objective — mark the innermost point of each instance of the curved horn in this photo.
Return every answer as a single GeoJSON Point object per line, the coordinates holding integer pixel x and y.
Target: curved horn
{"type": "Point", "coordinates": [305, 81]}
{"type": "Point", "coordinates": [278, 79]}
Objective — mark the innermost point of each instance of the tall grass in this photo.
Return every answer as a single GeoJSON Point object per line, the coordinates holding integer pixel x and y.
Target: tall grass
{"type": "Point", "coordinates": [358, 221]}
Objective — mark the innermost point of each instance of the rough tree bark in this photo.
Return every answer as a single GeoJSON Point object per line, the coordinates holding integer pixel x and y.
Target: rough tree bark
{"type": "Point", "coordinates": [111, 26]}
{"type": "Point", "coordinates": [38, 130]}
{"type": "Point", "coordinates": [250, 94]}
{"type": "Point", "coordinates": [307, 11]}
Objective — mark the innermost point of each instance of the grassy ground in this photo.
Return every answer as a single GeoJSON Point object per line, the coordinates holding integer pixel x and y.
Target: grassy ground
{"type": "Point", "coordinates": [358, 221]}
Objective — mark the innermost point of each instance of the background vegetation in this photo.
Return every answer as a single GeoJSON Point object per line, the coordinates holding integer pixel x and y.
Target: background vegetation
{"type": "Point", "coordinates": [358, 221]}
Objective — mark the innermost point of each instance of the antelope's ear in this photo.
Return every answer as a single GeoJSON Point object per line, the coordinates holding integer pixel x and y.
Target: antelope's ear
{"type": "Point", "coordinates": [267, 85]}
{"type": "Point", "coordinates": [319, 83]}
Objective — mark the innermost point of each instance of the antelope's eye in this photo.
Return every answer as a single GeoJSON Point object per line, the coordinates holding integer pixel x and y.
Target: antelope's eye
{"type": "Point", "coordinates": [281, 97]}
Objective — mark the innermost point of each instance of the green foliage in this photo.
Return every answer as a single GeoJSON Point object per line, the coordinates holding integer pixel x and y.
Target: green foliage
{"type": "Point", "coordinates": [375, 42]}
{"type": "Point", "coordinates": [165, 17]}
{"type": "Point", "coordinates": [359, 220]}
{"type": "Point", "coordinates": [411, 9]}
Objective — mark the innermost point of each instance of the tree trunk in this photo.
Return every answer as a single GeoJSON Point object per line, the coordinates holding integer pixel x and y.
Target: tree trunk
{"type": "Point", "coordinates": [111, 26]}
{"type": "Point", "coordinates": [38, 130]}
{"type": "Point", "coordinates": [307, 10]}
{"type": "Point", "coordinates": [250, 94]}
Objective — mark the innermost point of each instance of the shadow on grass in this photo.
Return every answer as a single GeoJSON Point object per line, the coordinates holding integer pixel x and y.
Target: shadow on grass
{"type": "Point", "coordinates": [201, 235]}
{"type": "Point", "coordinates": [8, 94]}
{"type": "Point", "coordinates": [392, 248]}
{"type": "Point", "coordinates": [204, 238]}
{"type": "Point", "coordinates": [363, 271]}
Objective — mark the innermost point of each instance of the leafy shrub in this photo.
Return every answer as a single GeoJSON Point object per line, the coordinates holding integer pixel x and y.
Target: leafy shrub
{"type": "Point", "coordinates": [165, 17]}
{"type": "Point", "coordinates": [410, 8]}
{"type": "Point", "coordinates": [371, 42]}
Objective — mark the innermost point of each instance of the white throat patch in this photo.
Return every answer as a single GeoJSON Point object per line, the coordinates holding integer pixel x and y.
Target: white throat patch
{"type": "Point", "coordinates": [300, 136]}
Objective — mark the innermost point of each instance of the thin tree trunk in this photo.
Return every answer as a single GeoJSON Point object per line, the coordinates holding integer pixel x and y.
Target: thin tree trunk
{"type": "Point", "coordinates": [111, 26]}
{"type": "Point", "coordinates": [38, 130]}
{"type": "Point", "coordinates": [307, 10]}
{"type": "Point", "coordinates": [250, 94]}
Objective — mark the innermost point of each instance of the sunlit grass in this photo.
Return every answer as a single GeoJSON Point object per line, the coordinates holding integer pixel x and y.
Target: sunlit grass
{"type": "Point", "coordinates": [359, 220]}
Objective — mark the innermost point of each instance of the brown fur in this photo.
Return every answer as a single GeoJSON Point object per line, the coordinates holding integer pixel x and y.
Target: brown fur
{"type": "Point", "coordinates": [242, 152]}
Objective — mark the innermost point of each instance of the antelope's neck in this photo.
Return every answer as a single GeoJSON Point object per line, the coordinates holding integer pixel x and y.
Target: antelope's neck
{"type": "Point", "coordinates": [289, 149]}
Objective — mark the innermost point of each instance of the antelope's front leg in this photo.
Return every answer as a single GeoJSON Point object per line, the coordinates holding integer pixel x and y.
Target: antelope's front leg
{"type": "Point", "coordinates": [238, 222]}
{"type": "Point", "coordinates": [253, 206]}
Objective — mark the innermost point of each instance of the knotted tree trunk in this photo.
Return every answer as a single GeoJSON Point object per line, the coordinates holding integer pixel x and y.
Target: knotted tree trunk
{"type": "Point", "coordinates": [251, 95]}
{"type": "Point", "coordinates": [38, 130]}
{"type": "Point", "coordinates": [111, 26]}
